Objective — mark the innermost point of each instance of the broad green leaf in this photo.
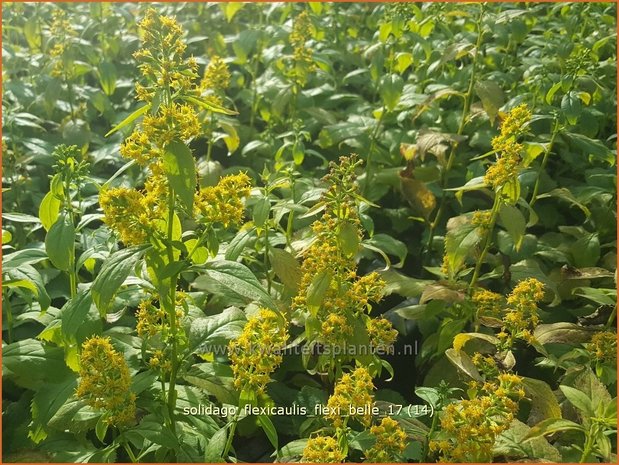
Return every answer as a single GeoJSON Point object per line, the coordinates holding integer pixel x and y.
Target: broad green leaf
{"type": "Point", "coordinates": [129, 119]}
{"type": "Point", "coordinates": [113, 273]}
{"type": "Point", "coordinates": [261, 211]}
{"type": "Point", "coordinates": [491, 96]}
{"type": "Point", "coordinates": [236, 278]}
{"type": "Point", "coordinates": [578, 399]}
{"type": "Point", "coordinates": [269, 430]}
{"type": "Point", "coordinates": [107, 77]}
{"type": "Point", "coordinates": [544, 403]}
{"type": "Point", "coordinates": [348, 238]}
{"type": "Point", "coordinates": [60, 242]}
{"type": "Point", "coordinates": [45, 403]}
{"type": "Point", "coordinates": [286, 267]}
{"type": "Point", "coordinates": [231, 138]}
{"type": "Point", "coordinates": [207, 332]}
{"type": "Point", "coordinates": [217, 443]}
{"type": "Point", "coordinates": [391, 86]}
{"type": "Point", "coordinates": [230, 9]}
{"type": "Point", "coordinates": [49, 210]}
{"type": "Point", "coordinates": [32, 363]}
{"type": "Point", "coordinates": [317, 290]}
{"type": "Point", "coordinates": [513, 221]}
{"type": "Point", "coordinates": [180, 168]}
{"type": "Point", "coordinates": [23, 257]}
{"type": "Point", "coordinates": [390, 246]}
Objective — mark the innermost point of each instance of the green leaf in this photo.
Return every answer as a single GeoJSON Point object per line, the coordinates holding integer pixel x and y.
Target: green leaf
{"type": "Point", "coordinates": [23, 257]}
{"type": "Point", "coordinates": [391, 86]}
{"type": "Point", "coordinates": [60, 242]}
{"type": "Point", "coordinates": [107, 77]}
{"type": "Point", "coordinates": [231, 139]}
{"type": "Point", "coordinates": [513, 221]}
{"type": "Point", "coordinates": [210, 106]}
{"type": "Point", "coordinates": [113, 273]}
{"type": "Point", "coordinates": [234, 277]}
{"type": "Point", "coordinates": [578, 399]}
{"type": "Point", "coordinates": [460, 242]}
{"type": "Point", "coordinates": [230, 9]}
{"type": "Point", "coordinates": [77, 320]}
{"type": "Point", "coordinates": [461, 360]}
{"type": "Point", "coordinates": [348, 238]}
{"type": "Point", "coordinates": [217, 443]}
{"type": "Point", "coordinates": [390, 246]}
{"type": "Point", "coordinates": [317, 290]}
{"type": "Point", "coordinates": [180, 169]}
{"type": "Point", "coordinates": [552, 91]}
{"type": "Point", "coordinates": [49, 209]}
{"type": "Point", "coordinates": [269, 429]}
{"type": "Point", "coordinates": [562, 333]}
{"type": "Point", "coordinates": [129, 119]}
{"type": "Point", "coordinates": [101, 428]}
{"type": "Point", "coordinates": [286, 267]}
{"type": "Point", "coordinates": [207, 332]}
{"type": "Point", "coordinates": [571, 106]}
{"type": "Point", "coordinates": [544, 403]}
{"type": "Point", "coordinates": [45, 403]}
{"type": "Point", "coordinates": [491, 96]}
{"type": "Point", "coordinates": [31, 363]}
{"type": "Point", "coordinates": [586, 250]}
{"type": "Point", "coordinates": [552, 425]}
{"type": "Point", "coordinates": [261, 211]}
{"type": "Point", "coordinates": [240, 241]}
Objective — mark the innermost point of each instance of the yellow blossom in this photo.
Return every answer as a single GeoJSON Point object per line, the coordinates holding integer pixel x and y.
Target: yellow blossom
{"type": "Point", "coordinates": [391, 440]}
{"type": "Point", "coordinates": [256, 352]}
{"type": "Point", "coordinates": [353, 389]}
{"type": "Point", "coordinates": [105, 382]}
{"type": "Point", "coordinates": [223, 203]}
{"type": "Point", "coordinates": [322, 449]}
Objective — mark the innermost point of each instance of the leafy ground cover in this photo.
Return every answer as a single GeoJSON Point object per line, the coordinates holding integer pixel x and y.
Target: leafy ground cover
{"type": "Point", "coordinates": [313, 232]}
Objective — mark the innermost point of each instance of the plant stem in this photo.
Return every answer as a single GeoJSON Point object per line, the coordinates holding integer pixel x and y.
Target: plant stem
{"type": "Point", "coordinates": [171, 310]}
{"type": "Point", "coordinates": [588, 446]}
{"type": "Point", "coordinates": [428, 436]}
{"type": "Point", "coordinates": [487, 240]}
{"type": "Point", "coordinates": [465, 114]}
{"type": "Point", "coordinates": [129, 452]}
{"type": "Point", "coordinates": [555, 131]}
{"type": "Point", "coordinates": [368, 160]}
{"type": "Point", "coordinates": [235, 419]}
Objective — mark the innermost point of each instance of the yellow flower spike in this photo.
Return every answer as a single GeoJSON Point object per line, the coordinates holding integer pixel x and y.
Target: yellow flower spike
{"type": "Point", "coordinates": [381, 332]}
{"type": "Point", "coordinates": [322, 449]}
{"type": "Point", "coordinates": [353, 389]}
{"type": "Point", "coordinates": [216, 75]}
{"type": "Point", "coordinates": [105, 382]}
{"type": "Point", "coordinates": [256, 353]}
{"type": "Point", "coordinates": [224, 203]}
{"type": "Point", "coordinates": [488, 303]}
{"type": "Point", "coordinates": [603, 346]}
{"type": "Point", "coordinates": [391, 440]}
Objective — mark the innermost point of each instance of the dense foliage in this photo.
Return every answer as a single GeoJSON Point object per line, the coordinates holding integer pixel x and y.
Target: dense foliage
{"type": "Point", "coordinates": [317, 232]}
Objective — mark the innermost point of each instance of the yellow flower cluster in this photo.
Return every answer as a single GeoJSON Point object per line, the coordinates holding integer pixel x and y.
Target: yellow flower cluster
{"type": "Point", "coordinates": [488, 303]}
{"type": "Point", "coordinates": [134, 214]}
{"type": "Point", "coordinates": [60, 30]}
{"type": "Point", "coordinates": [256, 352]}
{"type": "Point", "coordinates": [391, 440]}
{"type": "Point", "coordinates": [302, 30]}
{"type": "Point", "coordinates": [152, 320]}
{"type": "Point", "coordinates": [322, 449]}
{"type": "Point", "coordinates": [482, 219]}
{"type": "Point", "coordinates": [603, 346]}
{"type": "Point", "coordinates": [353, 389]}
{"type": "Point", "coordinates": [508, 148]}
{"type": "Point", "coordinates": [469, 428]}
{"type": "Point", "coordinates": [162, 60]}
{"type": "Point", "coordinates": [348, 296]}
{"type": "Point", "coordinates": [105, 382]}
{"type": "Point", "coordinates": [223, 203]}
{"type": "Point", "coordinates": [522, 316]}
{"type": "Point", "coordinates": [381, 332]}
{"type": "Point", "coordinates": [216, 76]}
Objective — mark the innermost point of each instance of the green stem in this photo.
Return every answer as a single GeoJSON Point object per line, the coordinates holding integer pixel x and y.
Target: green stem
{"type": "Point", "coordinates": [9, 317]}
{"type": "Point", "coordinates": [487, 240]}
{"type": "Point", "coordinates": [555, 131]}
{"type": "Point", "coordinates": [368, 160]}
{"type": "Point", "coordinates": [588, 446]}
{"type": "Point", "coordinates": [463, 118]}
{"type": "Point", "coordinates": [171, 310]}
{"type": "Point", "coordinates": [129, 452]}
{"type": "Point", "coordinates": [231, 434]}
{"type": "Point", "coordinates": [211, 126]}
{"type": "Point", "coordinates": [266, 256]}
{"type": "Point", "coordinates": [426, 446]}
